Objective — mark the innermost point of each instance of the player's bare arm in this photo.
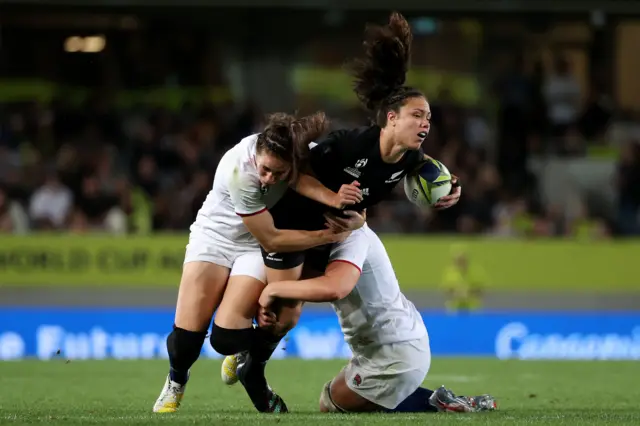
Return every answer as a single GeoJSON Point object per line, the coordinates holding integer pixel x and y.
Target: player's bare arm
{"type": "Point", "coordinates": [310, 187]}
{"type": "Point", "coordinates": [273, 239]}
{"type": "Point", "coordinates": [337, 282]}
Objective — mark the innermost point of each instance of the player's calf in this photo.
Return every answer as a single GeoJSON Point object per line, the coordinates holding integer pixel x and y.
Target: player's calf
{"type": "Point", "coordinates": [251, 374]}
{"type": "Point", "coordinates": [247, 351]}
{"type": "Point", "coordinates": [184, 348]}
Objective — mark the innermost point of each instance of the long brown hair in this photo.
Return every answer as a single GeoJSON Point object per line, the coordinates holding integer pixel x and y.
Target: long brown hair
{"type": "Point", "coordinates": [288, 138]}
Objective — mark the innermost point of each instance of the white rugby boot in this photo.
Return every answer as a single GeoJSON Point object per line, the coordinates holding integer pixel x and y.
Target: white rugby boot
{"type": "Point", "coordinates": [170, 397]}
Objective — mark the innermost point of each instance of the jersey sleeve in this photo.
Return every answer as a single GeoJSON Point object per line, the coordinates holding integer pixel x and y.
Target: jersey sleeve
{"type": "Point", "coordinates": [416, 159]}
{"type": "Point", "coordinates": [353, 250]}
{"type": "Point", "coordinates": [245, 194]}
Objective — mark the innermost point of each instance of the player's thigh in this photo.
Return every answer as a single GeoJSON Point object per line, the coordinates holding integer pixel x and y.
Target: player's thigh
{"type": "Point", "coordinates": [336, 396]}
{"type": "Point", "coordinates": [201, 288]}
{"type": "Point", "coordinates": [284, 267]}
{"type": "Point", "coordinates": [207, 264]}
{"type": "Point", "coordinates": [240, 301]}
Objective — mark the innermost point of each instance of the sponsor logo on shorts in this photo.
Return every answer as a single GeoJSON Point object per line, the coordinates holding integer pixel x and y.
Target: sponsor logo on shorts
{"type": "Point", "coordinates": [272, 256]}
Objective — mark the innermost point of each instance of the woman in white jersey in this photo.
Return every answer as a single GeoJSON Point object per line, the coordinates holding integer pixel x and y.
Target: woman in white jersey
{"type": "Point", "coordinates": [386, 333]}
{"type": "Point", "coordinates": [234, 221]}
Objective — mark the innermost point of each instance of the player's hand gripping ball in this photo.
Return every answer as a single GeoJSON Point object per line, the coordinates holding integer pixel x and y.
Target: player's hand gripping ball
{"type": "Point", "coordinates": [428, 184]}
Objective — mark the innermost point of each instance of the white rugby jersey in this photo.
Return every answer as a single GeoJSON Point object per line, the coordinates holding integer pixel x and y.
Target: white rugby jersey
{"type": "Point", "coordinates": [375, 312]}
{"type": "Point", "coordinates": [236, 192]}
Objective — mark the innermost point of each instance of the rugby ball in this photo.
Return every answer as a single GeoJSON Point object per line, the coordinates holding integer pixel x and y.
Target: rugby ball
{"type": "Point", "coordinates": [426, 185]}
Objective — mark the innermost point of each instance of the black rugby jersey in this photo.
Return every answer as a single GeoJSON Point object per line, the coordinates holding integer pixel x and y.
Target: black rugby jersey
{"type": "Point", "coordinates": [348, 155]}
{"type": "Point", "coordinates": [340, 158]}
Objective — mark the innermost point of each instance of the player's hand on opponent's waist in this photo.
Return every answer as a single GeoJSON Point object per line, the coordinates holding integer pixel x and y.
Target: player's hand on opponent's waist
{"type": "Point", "coordinates": [332, 235]}
{"type": "Point", "coordinates": [353, 220]}
{"type": "Point", "coordinates": [348, 195]}
{"type": "Point", "coordinates": [451, 199]}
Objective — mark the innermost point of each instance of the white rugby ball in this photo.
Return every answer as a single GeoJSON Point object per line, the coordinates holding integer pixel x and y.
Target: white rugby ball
{"type": "Point", "coordinates": [426, 185]}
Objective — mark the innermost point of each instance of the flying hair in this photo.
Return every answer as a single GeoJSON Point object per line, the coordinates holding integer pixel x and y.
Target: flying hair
{"type": "Point", "coordinates": [380, 74]}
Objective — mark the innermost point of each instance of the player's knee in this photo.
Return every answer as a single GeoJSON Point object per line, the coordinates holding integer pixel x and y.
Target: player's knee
{"type": "Point", "coordinates": [326, 401]}
{"type": "Point", "coordinates": [227, 341]}
{"type": "Point", "coordinates": [184, 346]}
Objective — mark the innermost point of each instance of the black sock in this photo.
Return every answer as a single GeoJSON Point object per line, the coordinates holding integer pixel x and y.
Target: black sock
{"type": "Point", "coordinates": [184, 348]}
{"type": "Point", "coordinates": [264, 344]}
{"type": "Point", "coordinates": [227, 341]}
{"type": "Point", "coordinates": [417, 402]}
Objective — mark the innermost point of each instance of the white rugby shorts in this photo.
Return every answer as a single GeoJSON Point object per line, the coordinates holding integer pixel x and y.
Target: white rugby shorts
{"type": "Point", "coordinates": [241, 259]}
{"type": "Point", "coordinates": [387, 374]}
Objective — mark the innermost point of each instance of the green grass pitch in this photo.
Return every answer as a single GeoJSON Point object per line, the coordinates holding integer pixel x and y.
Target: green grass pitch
{"type": "Point", "coordinates": [123, 392]}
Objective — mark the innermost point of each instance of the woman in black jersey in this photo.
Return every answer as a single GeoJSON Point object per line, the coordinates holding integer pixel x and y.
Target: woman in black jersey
{"type": "Point", "coordinates": [376, 157]}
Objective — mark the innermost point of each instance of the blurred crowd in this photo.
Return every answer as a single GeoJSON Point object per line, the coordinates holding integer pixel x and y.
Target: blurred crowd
{"type": "Point", "coordinates": [93, 168]}
{"type": "Point", "coordinates": [97, 168]}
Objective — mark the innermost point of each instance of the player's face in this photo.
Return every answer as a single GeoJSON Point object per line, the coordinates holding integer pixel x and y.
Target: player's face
{"type": "Point", "coordinates": [411, 124]}
{"type": "Point", "coordinates": [271, 169]}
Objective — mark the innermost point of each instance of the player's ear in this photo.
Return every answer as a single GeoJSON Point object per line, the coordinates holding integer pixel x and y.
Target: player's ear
{"type": "Point", "coordinates": [392, 116]}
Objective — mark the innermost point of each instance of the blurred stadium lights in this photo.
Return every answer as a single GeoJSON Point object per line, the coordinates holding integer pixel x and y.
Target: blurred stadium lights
{"type": "Point", "coordinates": [549, 6]}
{"type": "Point", "coordinates": [91, 44]}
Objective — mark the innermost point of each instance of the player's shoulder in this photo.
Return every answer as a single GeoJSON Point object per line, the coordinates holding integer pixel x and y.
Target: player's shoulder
{"type": "Point", "coordinates": [240, 161]}
{"type": "Point", "coordinates": [415, 157]}
{"type": "Point", "coordinates": [361, 135]}
{"type": "Point", "coordinates": [349, 139]}
{"type": "Point", "coordinates": [246, 148]}
{"type": "Point", "coordinates": [246, 151]}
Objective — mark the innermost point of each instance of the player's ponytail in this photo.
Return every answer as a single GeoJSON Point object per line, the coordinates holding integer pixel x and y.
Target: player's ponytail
{"type": "Point", "coordinates": [289, 137]}
{"type": "Point", "coordinates": [380, 74]}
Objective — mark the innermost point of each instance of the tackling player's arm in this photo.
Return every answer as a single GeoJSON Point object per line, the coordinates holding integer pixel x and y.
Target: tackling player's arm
{"type": "Point", "coordinates": [273, 239]}
{"type": "Point", "coordinates": [341, 276]}
{"type": "Point", "coordinates": [337, 282]}
{"type": "Point", "coordinates": [245, 195]}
